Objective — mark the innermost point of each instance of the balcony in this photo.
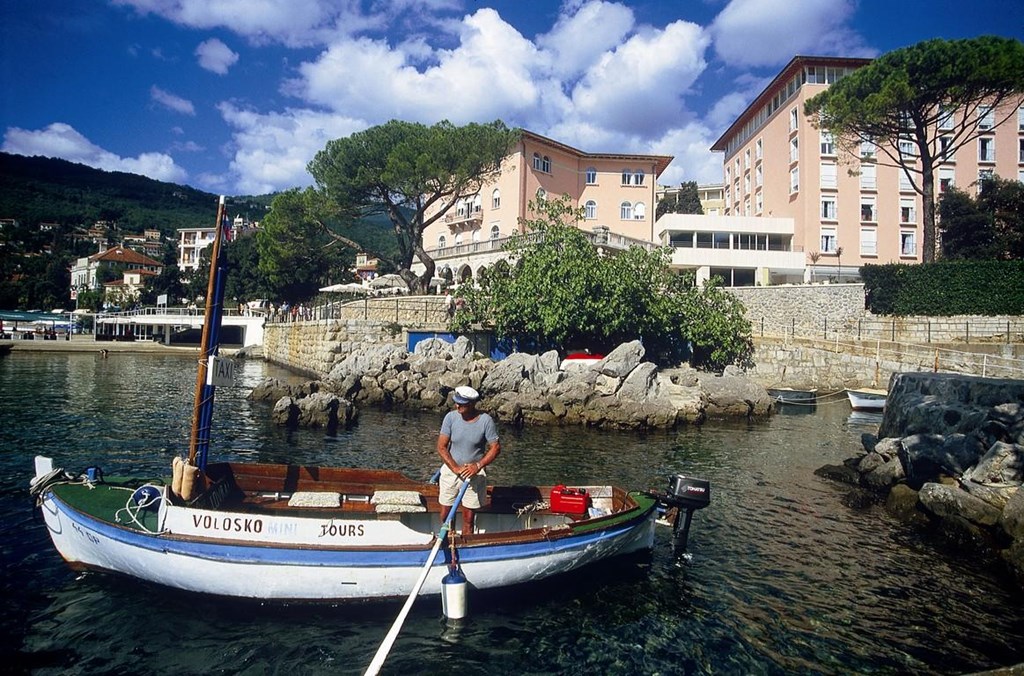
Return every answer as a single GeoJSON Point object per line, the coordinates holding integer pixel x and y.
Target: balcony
{"type": "Point", "coordinates": [464, 220]}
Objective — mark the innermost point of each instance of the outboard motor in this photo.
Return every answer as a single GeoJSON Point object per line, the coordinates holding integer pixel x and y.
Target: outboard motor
{"type": "Point", "coordinates": [684, 494]}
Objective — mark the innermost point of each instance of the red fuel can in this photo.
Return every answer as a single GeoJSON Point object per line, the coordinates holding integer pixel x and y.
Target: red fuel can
{"type": "Point", "coordinates": [569, 500]}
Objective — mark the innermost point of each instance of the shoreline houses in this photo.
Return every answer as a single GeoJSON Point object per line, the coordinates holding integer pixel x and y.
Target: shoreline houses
{"type": "Point", "coordinates": [135, 268]}
{"type": "Point", "coordinates": [793, 207]}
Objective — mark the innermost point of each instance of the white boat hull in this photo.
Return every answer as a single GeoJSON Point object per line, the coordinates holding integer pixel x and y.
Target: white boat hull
{"type": "Point", "coordinates": [867, 400]}
{"type": "Point", "coordinates": [249, 566]}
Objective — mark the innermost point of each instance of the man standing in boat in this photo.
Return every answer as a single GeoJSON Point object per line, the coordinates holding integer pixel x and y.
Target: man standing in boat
{"type": "Point", "coordinates": [467, 444]}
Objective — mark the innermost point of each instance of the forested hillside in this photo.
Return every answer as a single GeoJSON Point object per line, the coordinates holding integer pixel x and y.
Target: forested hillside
{"type": "Point", "coordinates": [37, 190]}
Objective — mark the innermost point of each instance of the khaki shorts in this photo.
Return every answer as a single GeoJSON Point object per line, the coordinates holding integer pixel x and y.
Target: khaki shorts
{"type": "Point", "coordinates": [450, 483]}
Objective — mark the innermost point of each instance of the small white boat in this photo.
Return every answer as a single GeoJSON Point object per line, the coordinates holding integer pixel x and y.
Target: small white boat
{"type": "Point", "coordinates": [790, 395]}
{"type": "Point", "coordinates": [867, 399]}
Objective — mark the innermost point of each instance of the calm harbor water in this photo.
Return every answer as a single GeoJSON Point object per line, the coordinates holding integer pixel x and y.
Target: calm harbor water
{"type": "Point", "coordinates": [784, 577]}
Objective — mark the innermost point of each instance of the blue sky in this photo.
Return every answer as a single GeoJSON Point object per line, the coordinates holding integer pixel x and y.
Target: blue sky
{"type": "Point", "coordinates": [236, 96]}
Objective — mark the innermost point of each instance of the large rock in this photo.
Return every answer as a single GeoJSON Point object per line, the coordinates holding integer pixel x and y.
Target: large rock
{"type": "Point", "coordinates": [925, 457]}
{"type": "Point", "coordinates": [948, 502]}
{"type": "Point", "coordinates": [733, 396]}
{"type": "Point", "coordinates": [622, 360]}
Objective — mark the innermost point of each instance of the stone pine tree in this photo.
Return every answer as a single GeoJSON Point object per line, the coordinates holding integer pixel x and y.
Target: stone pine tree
{"type": "Point", "coordinates": [920, 104]}
{"type": "Point", "coordinates": [686, 200]}
{"type": "Point", "coordinates": [402, 170]}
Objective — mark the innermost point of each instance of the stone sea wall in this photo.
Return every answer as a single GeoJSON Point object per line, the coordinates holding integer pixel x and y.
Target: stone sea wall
{"type": "Point", "coordinates": [621, 390]}
{"type": "Point", "coordinates": [949, 455]}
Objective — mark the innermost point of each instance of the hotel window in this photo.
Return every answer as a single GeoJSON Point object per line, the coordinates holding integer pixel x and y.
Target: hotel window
{"type": "Point", "coordinates": [944, 153]}
{"type": "Point", "coordinates": [905, 183]}
{"type": "Point", "coordinates": [460, 208]}
{"type": "Point", "coordinates": [908, 210]}
{"type": "Point", "coordinates": [829, 242]}
{"type": "Point", "coordinates": [986, 149]}
{"type": "Point", "coordinates": [627, 176]}
{"type": "Point", "coordinates": [946, 177]}
{"type": "Point", "coordinates": [793, 119]}
{"type": "Point", "coordinates": [496, 199]}
{"type": "Point", "coordinates": [828, 175]}
{"type": "Point", "coordinates": [442, 242]}
{"type": "Point", "coordinates": [728, 176]}
{"type": "Point", "coordinates": [867, 177]}
{"type": "Point", "coordinates": [758, 202]}
{"type": "Point", "coordinates": [542, 194]}
{"type": "Point", "coordinates": [746, 158]}
{"type": "Point", "coordinates": [591, 176]}
{"type": "Point", "coordinates": [828, 144]}
{"type": "Point", "coordinates": [908, 243]}
{"type": "Point", "coordinates": [794, 149]}
{"type": "Point", "coordinates": [828, 208]}
{"type": "Point", "coordinates": [638, 177]}
{"type": "Point", "coordinates": [868, 241]}
{"type": "Point", "coordinates": [759, 146]}
{"type": "Point", "coordinates": [1020, 150]}
{"type": "Point", "coordinates": [537, 161]}
{"type": "Point", "coordinates": [746, 207]}
{"type": "Point", "coordinates": [867, 209]}
{"type": "Point", "coordinates": [945, 118]}
{"type": "Point", "coordinates": [868, 149]}
{"type": "Point", "coordinates": [746, 184]}
{"type": "Point", "coordinates": [458, 240]}
{"type": "Point", "coordinates": [984, 175]}
{"type": "Point", "coordinates": [545, 164]}
{"type": "Point", "coordinates": [986, 117]}
{"type": "Point", "coordinates": [794, 179]}
{"type": "Point", "coordinates": [590, 210]}
{"type": "Point", "coordinates": [639, 211]}
{"type": "Point", "coordinates": [758, 176]}
{"type": "Point", "coordinates": [477, 205]}
{"type": "Point", "coordinates": [1020, 119]}
{"type": "Point", "coordinates": [626, 211]}
{"type": "Point", "coordinates": [907, 148]}
{"type": "Point", "coordinates": [495, 232]}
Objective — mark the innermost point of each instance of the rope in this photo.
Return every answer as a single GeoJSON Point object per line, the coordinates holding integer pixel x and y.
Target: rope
{"type": "Point", "coordinates": [133, 514]}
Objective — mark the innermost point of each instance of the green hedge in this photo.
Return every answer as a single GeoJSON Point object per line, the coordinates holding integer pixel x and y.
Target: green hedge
{"type": "Point", "coordinates": [945, 288]}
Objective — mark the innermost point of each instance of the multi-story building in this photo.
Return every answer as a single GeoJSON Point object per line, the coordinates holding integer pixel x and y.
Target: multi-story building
{"type": "Point", "coordinates": [711, 196]}
{"type": "Point", "coordinates": [616, 192]}
{"type": "Point", "coordinates": [848, 209]}
{"type": "Point", "coordinates": [85, 273]}
{"type": "Point", "coordinates": [192, 241]}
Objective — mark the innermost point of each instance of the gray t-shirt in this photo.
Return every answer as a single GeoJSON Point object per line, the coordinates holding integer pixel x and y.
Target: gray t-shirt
{"type": "Point", "coordinates": [469, 440]}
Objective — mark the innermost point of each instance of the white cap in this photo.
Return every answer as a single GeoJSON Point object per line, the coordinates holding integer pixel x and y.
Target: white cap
{"type": "Point", "coordinates": [464, 394]}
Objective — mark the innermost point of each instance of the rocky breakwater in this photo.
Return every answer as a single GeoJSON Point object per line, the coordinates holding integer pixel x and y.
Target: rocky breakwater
{"type": "Point", "coordinates": [620, 391]}
{"type": "Point", "coordinates": [949, 454]}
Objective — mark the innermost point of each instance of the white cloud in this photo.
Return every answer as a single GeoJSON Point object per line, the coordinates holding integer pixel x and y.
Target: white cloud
{"type": "Point", "coordinates": [271, 151]}
{"type": "Point", "coordinates": [770, 33]}
{"type": "Point", "coordinates": [639, 87]}
{"type": "Point", "coordinates": [215, 56]}
{"type": "Point", "coordinates": [579, 38]}
{"type": "Point", "coordinates": [172, 102]}
{"type": "Point", "coordinates": [63, 141]}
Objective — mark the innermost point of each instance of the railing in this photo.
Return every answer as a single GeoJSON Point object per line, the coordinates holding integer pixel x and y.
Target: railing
{"type": "Point", "coordinates": [403, 310]}
{"type": "Point", "coordinates": [921, 343]}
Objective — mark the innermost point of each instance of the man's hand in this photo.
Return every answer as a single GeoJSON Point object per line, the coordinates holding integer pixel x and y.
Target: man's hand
{"type": "Point", "coordinates": [468, 470]}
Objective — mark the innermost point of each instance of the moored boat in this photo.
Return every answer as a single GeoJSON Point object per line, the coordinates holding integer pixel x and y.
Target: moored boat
{"type": "Point", "coordinates": [790, 395]}
{"type": "Point", "coordinates": [867, 399]}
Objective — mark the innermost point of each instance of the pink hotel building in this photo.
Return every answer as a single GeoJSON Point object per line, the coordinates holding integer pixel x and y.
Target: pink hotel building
{"type": "Point", "coordinates": [616, 191]}
{"type": "Point", "coordinates": [797, 208]}
{"type": "Point", "coordinates": [847, 209]}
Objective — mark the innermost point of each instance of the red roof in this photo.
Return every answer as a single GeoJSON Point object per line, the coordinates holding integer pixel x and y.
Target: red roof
{"type": "Point", "coordinates": [120, 254]}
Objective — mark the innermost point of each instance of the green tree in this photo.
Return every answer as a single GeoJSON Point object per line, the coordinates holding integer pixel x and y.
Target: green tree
{"type": "Point", "coordinates": [296, 251]}
{"type": "Point", "coordinates": [401, 170]}
{"type": "Point", "coordinates": [989, 227]}
{"type": "Point", "coordinates": [908, 94]}
{"type": "Point", "coordinates": [684, 201]}
{"type": "Point", "coordinates": [560, 293]}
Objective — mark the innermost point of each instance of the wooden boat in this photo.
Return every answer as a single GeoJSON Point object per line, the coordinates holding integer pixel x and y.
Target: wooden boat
{"type": "Point", "coordinates": [365, 534]}
{"type": "Point", "coordinates": [328, 534]}
{"type": "Point", "coordinates": [867, 399]}
{"type": "Point", "coordinates": [790, 395]}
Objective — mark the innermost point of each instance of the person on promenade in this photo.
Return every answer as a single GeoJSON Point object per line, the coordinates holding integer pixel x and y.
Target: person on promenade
{"type": "Point", "coordinates": [468, 442]}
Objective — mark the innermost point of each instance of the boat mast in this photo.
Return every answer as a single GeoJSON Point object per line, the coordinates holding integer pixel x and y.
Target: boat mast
{"type": "Point", "coordinates": [202, 409]}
